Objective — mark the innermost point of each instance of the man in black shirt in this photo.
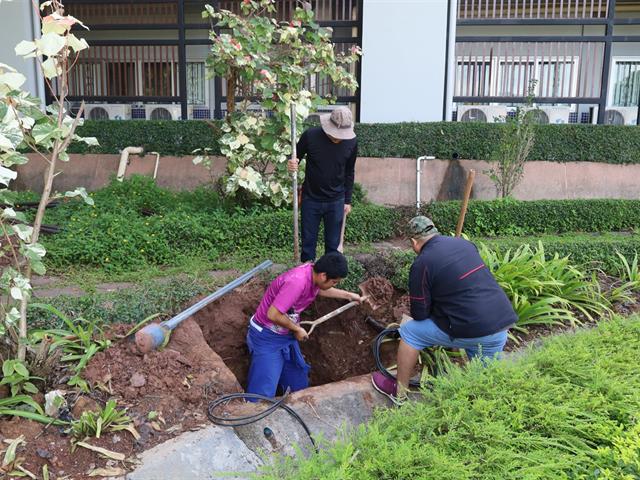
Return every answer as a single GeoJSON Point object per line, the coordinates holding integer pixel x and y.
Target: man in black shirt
{"type": "Point", "coordinates": [331, 152]}
{"type": "Point", "coordinates": [455, 303]}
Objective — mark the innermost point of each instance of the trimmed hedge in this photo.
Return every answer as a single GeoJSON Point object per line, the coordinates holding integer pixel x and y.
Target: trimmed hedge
{"type": "Point", "coordinates": [558, 143]}
{"type": "Point", "coordinates": [515, 217]}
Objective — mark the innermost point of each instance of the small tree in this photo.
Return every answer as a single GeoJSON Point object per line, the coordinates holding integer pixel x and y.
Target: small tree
{"type": "Point", "coordinates": [517, 139]}
{"type": "Point", "coordinates": [24, 127]}
{"type": "Point", "coordinates": [268, 64]}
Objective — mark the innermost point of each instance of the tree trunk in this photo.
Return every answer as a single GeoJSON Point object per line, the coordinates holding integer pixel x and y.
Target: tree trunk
{"type": "Point", "coordinates": [231, 92]}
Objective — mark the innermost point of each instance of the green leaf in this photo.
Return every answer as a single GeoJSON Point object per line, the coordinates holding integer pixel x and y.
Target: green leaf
{"type": "Point", "coordinates": [30, 387]}
{"type": "Point", "coordinates": [8, 367]}
{"type": "Point", "coordinates": [44, 132]}
{"type": "Point", "coordinates": [21, 369]}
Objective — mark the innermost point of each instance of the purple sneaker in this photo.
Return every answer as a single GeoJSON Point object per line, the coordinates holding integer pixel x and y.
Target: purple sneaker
{"type": "Point", "coordinates": [386, 386]}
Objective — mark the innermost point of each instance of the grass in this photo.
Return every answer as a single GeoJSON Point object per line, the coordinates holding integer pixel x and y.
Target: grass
{"type": "Point", "coordinates": [566, 411]}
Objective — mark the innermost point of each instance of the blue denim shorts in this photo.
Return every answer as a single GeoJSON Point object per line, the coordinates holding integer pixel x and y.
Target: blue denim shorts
{"type": "Point", "coordinates": [420, 334]}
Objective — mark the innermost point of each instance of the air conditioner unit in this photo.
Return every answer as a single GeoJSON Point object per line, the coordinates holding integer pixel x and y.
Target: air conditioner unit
{"type": "Point", "coordinates": [107, 111]}
{"type": "Point", "coordinates": [482, 113]}
{"type": "Point", "coordinates": [621, 116]}
{"type": "Point", "coordinates": [198, 112]}
{"type": "Point", "coordinates": [552, 115]}
{"type": "Point", "coordinates": [168, 111]}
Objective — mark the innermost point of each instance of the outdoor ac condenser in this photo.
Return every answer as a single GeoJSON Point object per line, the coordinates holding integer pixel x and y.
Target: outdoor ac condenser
{"type": "Point", "coordinates": [482, 113]}
{"type": "Point", "coordinates": [553, 115]}
{"type": "Point", "coordinates": [105, 111]}
{"type": "Point", "coordinates": [169, 111]}
{"type": "Point", "coordinates": [621, 116]}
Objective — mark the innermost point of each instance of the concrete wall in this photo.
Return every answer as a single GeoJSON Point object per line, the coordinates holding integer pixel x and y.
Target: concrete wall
{"type": "Point", "coordinates": [19, 24]}
{"type": "Point", "coordinates": [404, 48]}
{"type": "Point", "coordinates": [390, 181]}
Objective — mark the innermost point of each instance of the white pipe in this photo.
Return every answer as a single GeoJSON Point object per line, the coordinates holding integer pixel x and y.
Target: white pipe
{"type": "Point", "coordinates": [124, 160]}
{"type": "Point", "coordinates": [155, 169]}
{"type": "Point", "coordinates": [419, 178]}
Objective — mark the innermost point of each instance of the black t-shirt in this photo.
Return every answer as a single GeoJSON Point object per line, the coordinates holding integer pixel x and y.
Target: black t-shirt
{"type": "Point", "coordinates": [330, 166]}
{"type": "Point", "coordinates": [450, 284]}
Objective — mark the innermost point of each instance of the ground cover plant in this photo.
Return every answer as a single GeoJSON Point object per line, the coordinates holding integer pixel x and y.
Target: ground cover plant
{"type": "Point", "coordinates": [566, 410]}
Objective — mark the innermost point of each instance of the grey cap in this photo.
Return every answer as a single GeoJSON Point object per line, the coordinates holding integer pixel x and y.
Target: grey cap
{"type": "Point", "coordinates": [421, 226]}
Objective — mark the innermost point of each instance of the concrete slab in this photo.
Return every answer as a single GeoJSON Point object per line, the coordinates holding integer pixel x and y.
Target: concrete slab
{"type": "Point", "coordinates": [328, 410]}
{"type": "Point", "coordinates": [211, 453]}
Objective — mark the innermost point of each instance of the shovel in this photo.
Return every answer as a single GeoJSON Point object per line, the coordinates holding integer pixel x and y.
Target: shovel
{"type": "Point", "coordinates": [366, 297]}
{"type": "Point", "coordinates": [344, 224]}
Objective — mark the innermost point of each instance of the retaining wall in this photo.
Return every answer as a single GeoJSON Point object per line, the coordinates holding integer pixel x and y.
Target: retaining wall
{"type": "Point", "coordinates": [389, 181]}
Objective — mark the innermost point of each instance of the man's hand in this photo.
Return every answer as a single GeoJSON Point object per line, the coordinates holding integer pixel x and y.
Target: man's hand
{"type": "Point", "coordinates": [347, 209]}
{"type": "Point", "coordinates": [292, 165]}
{"type": "Point", "coordinates": [354, 297]}
{"type": "Point", "coordinates": [301, 334]}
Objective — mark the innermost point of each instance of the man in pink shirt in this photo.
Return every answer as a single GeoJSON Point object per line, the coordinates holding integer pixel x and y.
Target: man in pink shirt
{"type": "Point", "coordinates": [274, 330]}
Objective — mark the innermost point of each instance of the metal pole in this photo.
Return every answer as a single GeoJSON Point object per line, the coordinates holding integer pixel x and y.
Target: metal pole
{"type": "Point", "coordinates": [606, 63]}
{"type": "Point", "coordinates": [182, 61]}
{"type": "Point", "coordinates": [294, 178]}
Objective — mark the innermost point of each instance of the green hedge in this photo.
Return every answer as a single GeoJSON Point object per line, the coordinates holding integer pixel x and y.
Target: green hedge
{"type": "Point", "coordinates": [136, 224]}
{"type": "Point", "coordinates": [513, 217]}
{"type": "Point", "coordinates": [565, 411]}
{"type": "Point", "coordinates": [559, 143]}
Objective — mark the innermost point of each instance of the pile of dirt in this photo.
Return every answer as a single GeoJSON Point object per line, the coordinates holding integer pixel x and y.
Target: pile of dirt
{"type": "Point", "coordinates": [176, 383]}
{"type": "Point", "coordinates": [379, 290]}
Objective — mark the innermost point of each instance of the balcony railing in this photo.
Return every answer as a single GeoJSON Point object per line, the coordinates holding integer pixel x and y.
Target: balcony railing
{"type": "Point", "coordinates": [532, 9]}
{"type": "Point", "coordinates": [558, 69]}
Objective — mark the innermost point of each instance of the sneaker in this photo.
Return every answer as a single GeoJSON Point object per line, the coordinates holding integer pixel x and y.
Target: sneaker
{"type": "Point", "coordinates": [386, 386]}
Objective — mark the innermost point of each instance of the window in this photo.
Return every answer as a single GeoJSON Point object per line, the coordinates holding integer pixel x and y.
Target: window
{"type": "Point", "coordinates": [626, 83]}
{"type": "Point", "coordinates": [120, 79]}
{"type": "Point", "coordinates": [159, 79]}
{"type": "Point", "coordinates": [196, 84]}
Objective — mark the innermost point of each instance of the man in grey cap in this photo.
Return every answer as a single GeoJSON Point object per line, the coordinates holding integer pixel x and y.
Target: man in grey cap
{"type": "Point", "coordinates": [330, 151]}
{"type": "Point", "coordinates": [455, 303]}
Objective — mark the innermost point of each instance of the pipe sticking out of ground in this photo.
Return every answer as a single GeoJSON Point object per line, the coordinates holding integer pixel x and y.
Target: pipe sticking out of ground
{"type": "Point", "coordinates": [152, 336]}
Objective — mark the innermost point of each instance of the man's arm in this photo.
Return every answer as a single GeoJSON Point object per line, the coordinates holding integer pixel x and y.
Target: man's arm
{"type": "Point", "coordinates": [419, 290]}
{"type": "Point", "coordinates": [340, 294]}
{"type": "Point", "coordinates": [283, 320]}
{"type": "Point", "coordinates": [349, 174]}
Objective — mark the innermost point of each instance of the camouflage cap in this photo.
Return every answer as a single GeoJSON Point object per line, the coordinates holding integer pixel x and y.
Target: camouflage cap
{"type": "Point", "coordinates": [420, 226]}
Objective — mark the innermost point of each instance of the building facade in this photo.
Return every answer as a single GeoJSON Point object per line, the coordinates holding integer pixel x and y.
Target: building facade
{"type": "Point", "coordinates": [424, 60]}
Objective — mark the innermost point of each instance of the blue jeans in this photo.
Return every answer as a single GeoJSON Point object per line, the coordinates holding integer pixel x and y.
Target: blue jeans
{"type": "Point", "coordinates": [313, 212]}
{"type": "Point", "coordinates": [276, 360]}
{"type": "Point", "coordinates": [420, 334]}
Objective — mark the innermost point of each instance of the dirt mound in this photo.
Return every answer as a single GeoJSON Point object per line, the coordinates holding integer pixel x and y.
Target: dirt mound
{"type": "Point", "coordinates": [183, 370]}
{"type": "Point", "coordinates": [224, 325]}
{"type": "Point", "coordinates": [379, 290]}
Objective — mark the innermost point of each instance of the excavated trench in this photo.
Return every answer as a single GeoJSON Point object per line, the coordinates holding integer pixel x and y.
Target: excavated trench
{"type": "Point", "coordinates": [338, 349]}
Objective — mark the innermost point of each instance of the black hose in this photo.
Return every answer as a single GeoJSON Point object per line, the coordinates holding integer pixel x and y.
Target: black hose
{"type": "Point", "coordinates": [249, 419]}
{"type": "Point", "coordinates": [393, 333]}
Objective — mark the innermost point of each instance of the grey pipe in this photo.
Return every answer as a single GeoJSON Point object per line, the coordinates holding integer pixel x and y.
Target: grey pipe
{"type": "Point", "coordinates": [173, 322]}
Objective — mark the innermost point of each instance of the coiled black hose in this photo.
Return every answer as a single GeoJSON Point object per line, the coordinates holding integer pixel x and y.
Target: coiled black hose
{"type": "Point", "coordinates": [392, 333]}
{"type": "Point", "coordinates": [249, 419]}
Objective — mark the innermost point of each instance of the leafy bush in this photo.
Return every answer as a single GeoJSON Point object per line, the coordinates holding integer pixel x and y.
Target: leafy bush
{"type": "Point", "coordinates": [445, 140]}
{"type": "Point", "coordinates": [567, 410]}
{"type": "Point", "coordinates": [544, 289]}
{"type": "Point", "coordinates": [135, 224]}
{"type": "Point", "coordinates": [516, 217]}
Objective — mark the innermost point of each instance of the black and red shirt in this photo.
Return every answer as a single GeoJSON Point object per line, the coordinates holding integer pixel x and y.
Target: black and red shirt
{"type": "Point", "coordinates": [450, 284]}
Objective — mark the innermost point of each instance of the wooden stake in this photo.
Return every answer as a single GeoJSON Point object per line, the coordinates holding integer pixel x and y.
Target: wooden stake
{"type": "Point", "coordinates": [465, 201]}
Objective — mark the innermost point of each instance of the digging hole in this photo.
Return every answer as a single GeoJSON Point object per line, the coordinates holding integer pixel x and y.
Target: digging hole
{"type": "Point", "coordinates": [337, 349]}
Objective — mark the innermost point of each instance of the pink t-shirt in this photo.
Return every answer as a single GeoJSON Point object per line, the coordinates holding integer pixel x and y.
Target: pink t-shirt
{"type": "Point", "coordinates": [293, 289]}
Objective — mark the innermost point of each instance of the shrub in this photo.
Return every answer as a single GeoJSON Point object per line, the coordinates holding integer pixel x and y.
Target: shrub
{"type": "Point", "coordinates": [445, 140]}
{"type": "Point", "coordinates": [516, 217]}
{"type": "Point", "coordinates": [567, 410]}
